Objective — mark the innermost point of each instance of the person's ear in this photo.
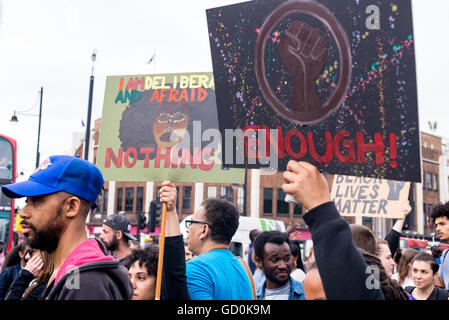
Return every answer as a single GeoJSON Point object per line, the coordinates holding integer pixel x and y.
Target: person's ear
{"type": "Point", "coordinates": [258, 262]}
{"type": "Point", "coordinates": [73, 206]}
{"type": "Point", "coordinates": [119, 235]}
{"type": "Point", "coordinates": [204, 231]}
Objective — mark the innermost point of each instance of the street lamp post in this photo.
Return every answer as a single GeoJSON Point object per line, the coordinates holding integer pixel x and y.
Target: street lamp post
{"type": "Point", "coordinates": [14, 119]}
{"type": "Point", "coordinates": [89, 108]}
{"type": "Point", "coordinates": [39, 129]}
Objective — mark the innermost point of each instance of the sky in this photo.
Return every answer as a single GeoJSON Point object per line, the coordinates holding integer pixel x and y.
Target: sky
{"type": "Point", "coordinates": [49, 43]}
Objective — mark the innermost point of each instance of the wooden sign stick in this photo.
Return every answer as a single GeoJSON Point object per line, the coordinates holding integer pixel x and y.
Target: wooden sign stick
{"type": "Point", "coordinates": [160, 262]}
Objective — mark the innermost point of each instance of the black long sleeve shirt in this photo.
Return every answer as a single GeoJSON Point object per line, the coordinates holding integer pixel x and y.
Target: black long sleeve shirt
{"type": "Point", "coordinates": [343, 270]}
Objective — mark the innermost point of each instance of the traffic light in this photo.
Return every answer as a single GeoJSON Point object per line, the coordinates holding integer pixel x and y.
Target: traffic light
{"type": "Point", "coordinates": [155, 215]}
{"type": "Point", "coordinates": [141, 222]}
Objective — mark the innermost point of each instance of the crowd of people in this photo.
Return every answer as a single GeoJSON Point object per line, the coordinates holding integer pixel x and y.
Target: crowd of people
{"type": "Point", "coordinates": [57, 260]}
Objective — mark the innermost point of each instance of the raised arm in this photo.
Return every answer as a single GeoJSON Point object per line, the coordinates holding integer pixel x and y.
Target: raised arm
{"type": "Point", "coordinates": [394, 235]}
{"type": "Point", "coordinates": [174, 270]}
{"type": "Point", "coordinates": [342, 268]}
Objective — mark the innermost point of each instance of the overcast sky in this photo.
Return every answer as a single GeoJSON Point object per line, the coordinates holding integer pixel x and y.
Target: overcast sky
{"type": "Point", "coordinates": [48, 43]}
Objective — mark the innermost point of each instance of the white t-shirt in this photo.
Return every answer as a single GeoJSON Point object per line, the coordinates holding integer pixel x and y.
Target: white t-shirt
{"type": "Point", "coordinates": [281, 293]}
{"type": "Point", "coordinates": [408, 282]}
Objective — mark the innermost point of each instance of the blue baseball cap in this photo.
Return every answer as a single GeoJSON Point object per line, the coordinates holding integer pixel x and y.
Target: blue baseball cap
{"type": "Point", "coordinates": [70, 174]}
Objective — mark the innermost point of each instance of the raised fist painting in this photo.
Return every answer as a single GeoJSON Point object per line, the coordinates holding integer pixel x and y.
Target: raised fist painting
{"type": "Point", "coordinates": [303, 51]}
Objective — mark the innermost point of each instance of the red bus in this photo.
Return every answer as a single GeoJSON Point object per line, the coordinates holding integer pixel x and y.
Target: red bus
{"type": "Point", "coordinates": [8, 151]}
{"type": "Point", "coordinates": [418, 244]}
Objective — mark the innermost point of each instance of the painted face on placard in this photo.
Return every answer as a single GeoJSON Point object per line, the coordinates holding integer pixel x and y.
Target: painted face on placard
{"type": "Point", "coordinates": [170, 124]}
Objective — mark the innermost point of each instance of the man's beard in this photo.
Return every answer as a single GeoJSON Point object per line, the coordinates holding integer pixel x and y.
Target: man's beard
{"type": "Point", "coordinates": [113, 245]}
{"type": "Point", "coordinates": [48, 238]}
{"type": "Point", "coordinates": [273, 278]}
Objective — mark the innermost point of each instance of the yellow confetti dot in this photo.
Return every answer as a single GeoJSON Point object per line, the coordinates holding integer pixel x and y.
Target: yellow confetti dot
{"type": "Point", "coordinates": [394, 8]}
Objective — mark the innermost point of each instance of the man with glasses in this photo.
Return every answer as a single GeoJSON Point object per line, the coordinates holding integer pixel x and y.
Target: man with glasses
{"type": "Point", "coordinates": [215, 273]}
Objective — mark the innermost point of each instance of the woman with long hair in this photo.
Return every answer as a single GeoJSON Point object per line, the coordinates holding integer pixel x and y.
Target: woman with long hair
{"type": "Point", "coordinates": [14, 262]}
{"type": "Point", "coordinates": [33, 278]}
{"type": "Point", "coordinates": [404, 274]}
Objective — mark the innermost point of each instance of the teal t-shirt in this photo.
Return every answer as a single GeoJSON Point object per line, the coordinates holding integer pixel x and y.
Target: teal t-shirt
{"type": "Point", "coordinates": [217, 275]}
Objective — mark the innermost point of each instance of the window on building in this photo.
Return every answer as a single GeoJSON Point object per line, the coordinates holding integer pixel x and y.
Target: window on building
{"type": "Point", "coordinates": [99, 203]}
{"type": "Point", "coordinates": [429, 209]}
{"type": "Point", "coordinates": [158, 196]}
{"type": "Point", "coordinates": [240, 199]}
{"type": "Point", "coordinates": [187, 199]}
{"type": "Point", "coordinates": [267, 201]}
{"type": "Point", "coordinates": [105, 200]}
{"type": "Point", "coordinates": [139, 200]}
{"type": "Point", "coordinates": [282, 205]}
{"type": "Point", "coordinates": [119, 199]}
{"type": "Point", "coordinates": [211, 192]}
{"type": "Point", "coordinates": [428, 181]}
{"type": "Point", "coordinates": [435, 182]}
{"type": "Point", "coordinates": [297, 210]}
{"type": "Point", "coordinates": [129, 199]}
{"type": "Point", "coordinates": [227, 194]}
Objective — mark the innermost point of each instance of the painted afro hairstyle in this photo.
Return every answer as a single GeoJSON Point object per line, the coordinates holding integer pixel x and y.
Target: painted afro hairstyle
{"type": "Point", "coordinates": [136, 124]}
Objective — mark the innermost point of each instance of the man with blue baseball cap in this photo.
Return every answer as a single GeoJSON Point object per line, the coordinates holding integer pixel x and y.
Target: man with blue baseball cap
{"type": "Point", "coordinates": [60, 194]}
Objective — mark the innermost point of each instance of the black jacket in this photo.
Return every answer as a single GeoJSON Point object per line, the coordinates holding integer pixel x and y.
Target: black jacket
{"type": "Point", "coordinates": [89, 274]}
{"type": "Point", "coordinates": [7, 277]}
{"type": "Point", "coordinates": [393, 238]}
{"type": "Point", "coordinates": [342, 268]}
{"type": "Point", "coordinates": [174, 280]}
{"type": "Point", "coordinates": [19, 286]}
{"type": "Point", "coordinates": [437, 293]}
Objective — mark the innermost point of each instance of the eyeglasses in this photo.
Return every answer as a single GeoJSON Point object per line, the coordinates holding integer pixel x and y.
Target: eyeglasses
{"type": "Point", "coordinates": [30, 251]}
{"type": "Point", "coordinates": [190, 222]}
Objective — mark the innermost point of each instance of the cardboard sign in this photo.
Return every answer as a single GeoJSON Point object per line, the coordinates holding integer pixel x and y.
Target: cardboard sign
{"type": "Point", "coordinates": [328, 82]}
{"type": "Point", "coordinates": [162, 127]}
{"type": "Point", "coordinates": [369, 197]}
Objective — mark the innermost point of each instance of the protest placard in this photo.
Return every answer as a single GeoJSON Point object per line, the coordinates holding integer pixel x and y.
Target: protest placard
{"type": "Point", "coordinates": [162, 127]}
{"type": "Point", "coordinates": [370, 197]}
{"type": "Point", "coordinates": [328, 82]}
